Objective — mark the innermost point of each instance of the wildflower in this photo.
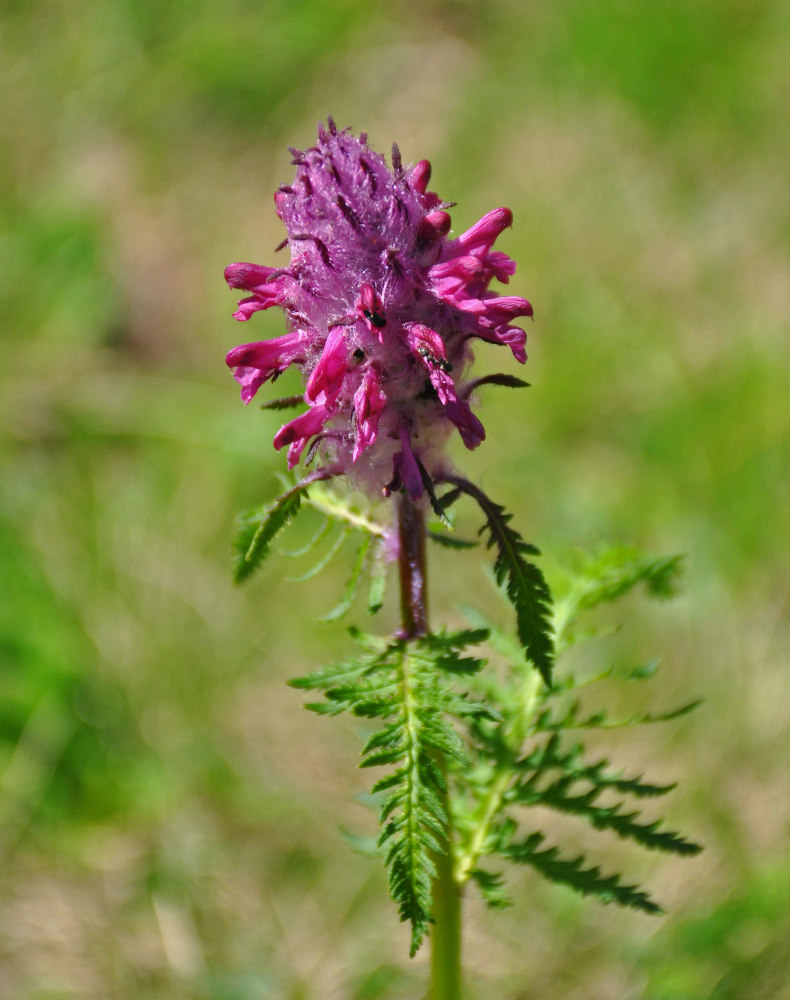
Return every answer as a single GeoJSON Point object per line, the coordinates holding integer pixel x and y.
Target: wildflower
{"type": "Point", "coordinates": [381, 307]}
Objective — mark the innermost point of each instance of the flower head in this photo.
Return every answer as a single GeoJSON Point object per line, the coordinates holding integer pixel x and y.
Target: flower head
{"type": "Point", "coordinates": [381, 307]}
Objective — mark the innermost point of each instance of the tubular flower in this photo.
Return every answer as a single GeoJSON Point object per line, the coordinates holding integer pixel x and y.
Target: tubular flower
{"type": "Point", "coordinates": [381, 307]}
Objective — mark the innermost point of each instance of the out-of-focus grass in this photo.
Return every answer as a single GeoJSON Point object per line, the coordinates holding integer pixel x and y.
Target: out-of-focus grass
{"type": "Point", "coordinates": [169, 816]}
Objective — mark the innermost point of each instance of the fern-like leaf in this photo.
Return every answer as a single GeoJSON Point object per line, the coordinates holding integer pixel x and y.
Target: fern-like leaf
{"type": "Point", "coordinates": [256, 529]}
{"type": "Point", "coordinates": [571, 872]}
{"type": "Point", "coordinates": [491, 887]}
{"type": "Point", "coordinates": [406, 686]}
{"type": "Point", "coordinates": [524, 583]}
{"type": "Point", "coordinates": [283, 403]}
{"type": "Point", "coordinates": [511, 381]}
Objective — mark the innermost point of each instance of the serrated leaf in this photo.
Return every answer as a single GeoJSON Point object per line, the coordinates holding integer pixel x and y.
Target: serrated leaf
{"type": "Point", "coordinates": [625, 825]}
{"type": "Point", "coordinates": [491, 888]}
{"type": "Point", "coordinates": [615, 572]}
{"type": "Point", "coordinates": [510, 381]}
{"type": "Point", "coordinates": [257, 529]}
{"type": "Point", "coordinates": [283, 403]}
{"type": "Point", "coordinates": [451, 542]}
{"type": "Point", "coordinates": [524, 583]}
{"type": "Point", "coordinates": [570, 872]}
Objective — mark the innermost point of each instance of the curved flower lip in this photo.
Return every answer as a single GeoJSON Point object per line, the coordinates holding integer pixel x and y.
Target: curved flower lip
{"type": "Point", "coordinates": [250, 276]}
{"type": "Point", "coordinates": [327, 376]}
{"type": "Point", "coordinates": [370, 401]}
{"type": "Point", "coordinates": [469, 427]}
{"type": "Point", "coordinates": [300, 430]}
{"type": "Point", "coordinates": [259, 361]}
{"type": "Point", "coordinates": [268, 285]}
{"type": "Point", "coordinates": [483, 233]}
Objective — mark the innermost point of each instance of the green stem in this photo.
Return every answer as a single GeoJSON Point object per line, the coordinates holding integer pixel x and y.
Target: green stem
{"type": "Point", "coordinates": [446, 930]}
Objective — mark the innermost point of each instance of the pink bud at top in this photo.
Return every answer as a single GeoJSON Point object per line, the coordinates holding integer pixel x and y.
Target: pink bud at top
{"type": "Point", "coordinates": [434, 225]}
{"type": "Point", "coordinates": [420, 176]}
{"type": "Point", "coordinates": [485, 232]}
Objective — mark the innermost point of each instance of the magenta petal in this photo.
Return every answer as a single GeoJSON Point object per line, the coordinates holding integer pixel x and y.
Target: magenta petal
{"type": "Point", "coordinates": [514, 338]}
{"type": "Point", "coordinates": [503, 308]}
{"type": "Point", "coordinates": [469, 427]}
{"type": "Point", "coordinates": [420, 175]}
{"type": "Point", "coordinates": [304, 426]}
{"type": "Point", "coordinates": [250, 380]}
{"type": "Point", "coordinates": [485, 232]}
{"type": "Point", "coordinates": [500, 266]}
{"type": "Point", "coordinates": [257, 362]}
{"type": "Point", "coordinates": [467, 267]}
{"type": "Point", "coordinates": [248, 276]}
{"type": "Point", "coordinates": [275, 353]}
{"type": "Point", "coordinates": [369, 402]}
{"type": "Point", "coordinates": [425, 342]}
{"type": "Point", "coordinates": [327, 376]}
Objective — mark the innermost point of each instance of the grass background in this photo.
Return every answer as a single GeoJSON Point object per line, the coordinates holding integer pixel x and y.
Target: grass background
{"type": "Point", "coordinates": [169, 817]}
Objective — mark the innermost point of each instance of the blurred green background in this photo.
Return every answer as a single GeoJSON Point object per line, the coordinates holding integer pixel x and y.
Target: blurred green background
{"type": "Point", "coordinates": [169, 816]}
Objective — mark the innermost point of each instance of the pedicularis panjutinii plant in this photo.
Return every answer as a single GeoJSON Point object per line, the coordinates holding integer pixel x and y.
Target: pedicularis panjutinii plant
{"type": "Point", "coordinates": [383, 309]}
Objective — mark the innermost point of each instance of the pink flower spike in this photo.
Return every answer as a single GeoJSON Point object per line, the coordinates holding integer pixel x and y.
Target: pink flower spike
{"type": "Point", "coordinates": [327, 376]}
{"type": "Point", "coordinates": [469, 427]}
{"type": "Point", "coordinates": [382, 309]}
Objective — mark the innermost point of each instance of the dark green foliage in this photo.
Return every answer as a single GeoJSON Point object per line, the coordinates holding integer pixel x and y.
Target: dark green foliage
{"type": "Point", "coordinates": [399, 684]}
{"type": "Point", "coordinates": [523, 761]}
{"type": "Point", "coordinates": [571, 872]}
{"type": "Point", "coordinates": [564, 794]}
{"type": "Point", "coordinates": [444, 792]}
{"type": "Point", "coordinates": [524, 583]}
{"type": "Point", "coordinates": [283, 403]}
{"type": "Point", "coordinates": [491, 887]}
{"type": "Point", "coordinates": [450, 542]}
{"type": "Point", "coordinates": [511, 381]}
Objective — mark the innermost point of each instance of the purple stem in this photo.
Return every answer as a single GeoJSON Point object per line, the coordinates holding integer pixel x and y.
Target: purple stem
{"type": "Point", "coordinates": [411, 568]}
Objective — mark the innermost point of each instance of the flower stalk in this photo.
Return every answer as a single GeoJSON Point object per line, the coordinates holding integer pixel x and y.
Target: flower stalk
{"type": "Point", "coordinates": [445, 938]}
{"type": "Point", "coordinates": [382, 307]}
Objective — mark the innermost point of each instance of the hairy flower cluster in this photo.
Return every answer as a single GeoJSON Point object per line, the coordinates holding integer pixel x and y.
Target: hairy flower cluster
{"type": "Point", "coordinates": [381, 306]}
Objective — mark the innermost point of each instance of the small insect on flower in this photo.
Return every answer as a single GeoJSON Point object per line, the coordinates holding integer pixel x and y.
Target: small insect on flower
{"type": "Point", "coordinates": [381, 307]}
